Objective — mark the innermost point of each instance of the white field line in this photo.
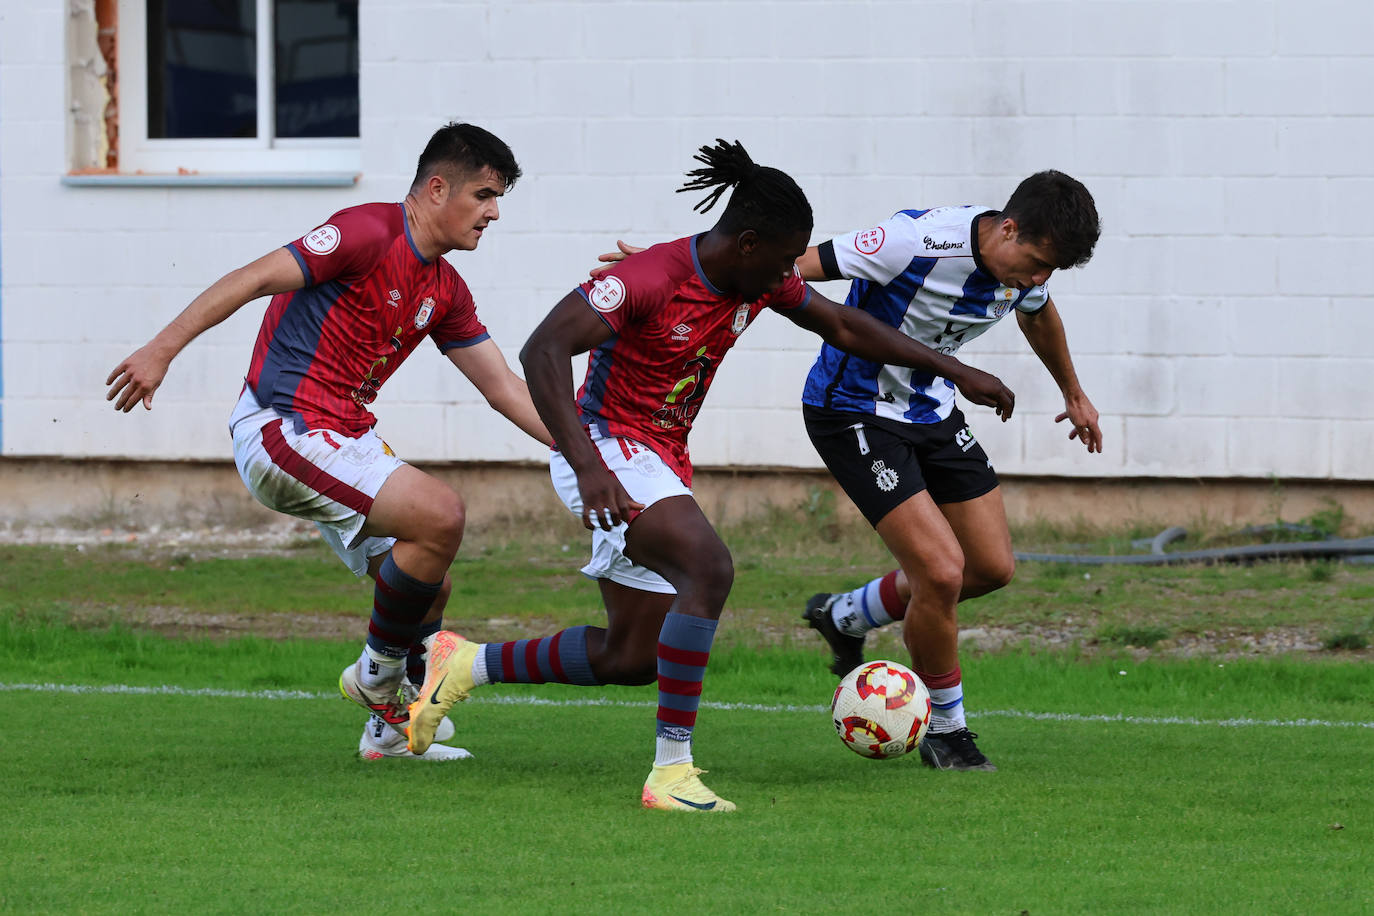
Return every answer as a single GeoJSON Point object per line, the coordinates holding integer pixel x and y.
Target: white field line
{"type": "Point", "coordinates": [172, 690]}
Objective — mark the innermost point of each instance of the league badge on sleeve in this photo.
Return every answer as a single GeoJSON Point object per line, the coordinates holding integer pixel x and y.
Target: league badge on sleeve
{"type": "Point", "coordinates": [323, 240]}
{"type": "Point", "coordinates": [607, 294]}
{"type": "Point", "coordinates": [870, 240]}
{"type": "Point", "coordinates": [423, 315]}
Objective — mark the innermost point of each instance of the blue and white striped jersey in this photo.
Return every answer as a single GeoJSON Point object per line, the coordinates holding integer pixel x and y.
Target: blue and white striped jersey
{"type": "Point", "coordinates": [919, 272]}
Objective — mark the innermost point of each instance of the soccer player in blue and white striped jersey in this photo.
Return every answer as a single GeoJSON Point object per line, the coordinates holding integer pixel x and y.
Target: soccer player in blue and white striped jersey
{"type": "Point", "coordinates": [898, 444]}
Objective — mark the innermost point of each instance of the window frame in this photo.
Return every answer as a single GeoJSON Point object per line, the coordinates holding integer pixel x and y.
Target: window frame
{"type": "Point", "coordinates": [261, 154]}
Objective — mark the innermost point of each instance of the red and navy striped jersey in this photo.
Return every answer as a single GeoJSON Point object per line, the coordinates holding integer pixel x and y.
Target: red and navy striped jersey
{"type": "Point", "coordinates": [672, 329]}
{"type": "Point", "coordinates": [325, 350]}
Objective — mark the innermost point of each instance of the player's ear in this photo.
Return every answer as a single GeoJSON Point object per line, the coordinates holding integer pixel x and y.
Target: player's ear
{"type": "Point", "coordinates": [747, 242]}
{"type": "Point", "coordinates": [1009, 229]}
{"type": "Point", "coordinates": [438, 188]}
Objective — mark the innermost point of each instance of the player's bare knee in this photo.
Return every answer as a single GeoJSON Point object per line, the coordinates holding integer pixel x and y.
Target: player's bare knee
{"type": "Point", "coordinates": [715, 574]}
{"type": "Point", "coordinates": [989, 577]}
{"type": "Point", "coordinates": [446, 522]}
{"type": "Point", "coordinates": [943, 581]}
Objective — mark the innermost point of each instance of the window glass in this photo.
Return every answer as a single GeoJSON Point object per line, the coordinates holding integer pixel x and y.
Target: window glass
{"type": "Point", "coordinates": [202, 69]}
{"type": "Point", "coordinates": [316, 68]}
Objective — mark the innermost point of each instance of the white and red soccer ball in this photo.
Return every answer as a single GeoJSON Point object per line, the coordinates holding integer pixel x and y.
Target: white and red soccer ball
{"type": "Point", "coordinates": [881, 709]}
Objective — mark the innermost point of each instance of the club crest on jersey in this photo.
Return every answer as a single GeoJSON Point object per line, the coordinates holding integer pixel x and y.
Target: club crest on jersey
{"type": "Point", "coordinates": [423, 315]}
{"type": "Point", "coordinates": [1001, 308]}
{"type": "Point", "coordinates": [741, 319]}
{"type": "Point", "coordinates": [870, 240]}
{"type": "Point", "coordinates": [607, 294]}
{"type": "Point", "coordinates": [322, 240]}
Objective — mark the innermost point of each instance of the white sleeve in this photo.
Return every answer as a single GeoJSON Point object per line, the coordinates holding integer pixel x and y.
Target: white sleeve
{"type": "Point", "coordinates": [1035, 299]}
{"type": "Point", "coordinates": [878, 254]}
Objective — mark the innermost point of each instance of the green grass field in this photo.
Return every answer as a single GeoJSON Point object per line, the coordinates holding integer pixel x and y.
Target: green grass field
{"type": "Point", "coordinates": [185, 779]}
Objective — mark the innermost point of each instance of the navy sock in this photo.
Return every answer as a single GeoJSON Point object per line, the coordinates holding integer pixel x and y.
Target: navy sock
{"type": "Point", "coordinates": [560, 658]}
{"type": "Point", "coordinates": [399, 603]}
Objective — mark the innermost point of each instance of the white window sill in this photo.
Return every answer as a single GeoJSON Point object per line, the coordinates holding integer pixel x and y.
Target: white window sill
{"type": "Point", "coordinates": [212, 180]}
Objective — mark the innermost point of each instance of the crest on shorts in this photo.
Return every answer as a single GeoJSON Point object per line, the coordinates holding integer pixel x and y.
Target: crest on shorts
{"type": "Point", "coordinates": [423, 315]}
{"type": "Point", "coordinates": [884, 476]}
{"type": "Point", "coordinates": [741, 319]}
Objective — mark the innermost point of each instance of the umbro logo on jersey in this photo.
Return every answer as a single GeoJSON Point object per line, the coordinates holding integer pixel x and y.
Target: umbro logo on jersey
{"type": "Point", "coordinates": [932, 245]}
{"type": "Point", "coordinates": [395, 295]}
{"type": "Point", "coordinates": [681, 331]}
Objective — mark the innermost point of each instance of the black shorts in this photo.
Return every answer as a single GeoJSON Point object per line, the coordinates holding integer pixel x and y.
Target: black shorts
{"type": "Point", "coordinates": [882, 463]}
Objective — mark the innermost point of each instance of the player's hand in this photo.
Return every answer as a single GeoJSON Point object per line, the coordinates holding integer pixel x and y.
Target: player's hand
{"type": "Point", "coordinates": [611, 258]}
{"type": "Point", "coordinates": [137, 378]}
{"type": "Point", "coordinates": [986, 390]}
{"type": "Point", "coordinates": [605, 503]}
{"type": "Point", "coordinates": [1080, 412]}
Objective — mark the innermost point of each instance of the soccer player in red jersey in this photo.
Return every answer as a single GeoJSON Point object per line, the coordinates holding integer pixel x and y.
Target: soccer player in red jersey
{"type": "Point", "coordinates": [658, 326]}
{"type": "Point", "coordinates": [351, 299]}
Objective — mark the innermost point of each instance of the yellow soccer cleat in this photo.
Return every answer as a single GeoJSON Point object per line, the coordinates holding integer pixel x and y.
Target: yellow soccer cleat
{"type": "Point", "coordinates": [678, 788]}
{"type": "Point", "coordinates": [448, 680]}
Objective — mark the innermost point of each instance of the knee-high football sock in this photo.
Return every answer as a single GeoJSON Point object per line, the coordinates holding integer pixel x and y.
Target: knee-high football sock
{"type": "Point", "coordinates": [868, 606]}
{"type": "Point", "coordinates": [684, 647]}
{"type": "Point", "coordinates": [399, 603]}
{"type": "Point", "coordinates": [560, 659]}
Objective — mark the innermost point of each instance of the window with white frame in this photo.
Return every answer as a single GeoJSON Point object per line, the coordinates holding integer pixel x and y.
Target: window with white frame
{"type": "Point", "coordinates": [238, 86]}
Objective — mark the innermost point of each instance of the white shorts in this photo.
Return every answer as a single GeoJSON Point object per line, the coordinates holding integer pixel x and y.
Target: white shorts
{"type": "Point", "coordinates": [647, 479]}
{"type": "Point", "coordinates": [321, 476]}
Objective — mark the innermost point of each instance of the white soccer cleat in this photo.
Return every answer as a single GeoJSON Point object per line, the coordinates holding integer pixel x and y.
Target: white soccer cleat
{"type": "Point", "coordinates": [380, 740]}
{"type": "Point", "coordinates": [384, 701]}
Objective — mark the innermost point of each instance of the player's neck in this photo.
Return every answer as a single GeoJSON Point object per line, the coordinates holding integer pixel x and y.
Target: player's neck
{"type": "Point", "coordinates": [421, 232]}
{"type": "Point", "coordinates": [713, 254]}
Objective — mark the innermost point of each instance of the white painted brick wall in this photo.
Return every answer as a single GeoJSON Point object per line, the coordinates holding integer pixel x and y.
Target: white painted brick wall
{"type": "Point", "coordinates": [1224, 328]}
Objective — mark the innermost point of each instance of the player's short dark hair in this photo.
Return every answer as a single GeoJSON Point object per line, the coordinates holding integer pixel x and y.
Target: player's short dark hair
{"type": "Point", "coordinates": [466, 149]}
{"type": "Point", "coordinates": [1050, 207]}
{"type": "Point", "coordinates": [765, 199]}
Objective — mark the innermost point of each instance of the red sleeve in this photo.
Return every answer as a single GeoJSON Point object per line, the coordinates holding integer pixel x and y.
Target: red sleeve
{"type": "Point", "coordinates": [623, 294]}
{"type": "Point", "coordinates": [348, 246]}
{"type": "Point", "coordinates": [460, 326]}
{"type": "Point", "coordinates": [793, 294]}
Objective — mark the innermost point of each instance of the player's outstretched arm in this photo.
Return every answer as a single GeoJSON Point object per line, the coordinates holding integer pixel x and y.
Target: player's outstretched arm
{"type": "Point", "coordinates": [139, 375]}
{"type": "Point", "coordinates": [855, 331]}
{"type": "Point", "coordinates": [571, 328]}
{"type": "Point", "coordinates": [506, 392]}
{"type": "Point", "coordinates": [1044, 331]}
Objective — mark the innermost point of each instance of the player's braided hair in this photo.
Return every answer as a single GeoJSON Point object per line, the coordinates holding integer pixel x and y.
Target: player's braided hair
{"type": "Point", "coordinates": [1050, 207]}
{"type": "Point", "coordinates": [765, 199]}
{"type": "Point", "coordinates": [465, 150]}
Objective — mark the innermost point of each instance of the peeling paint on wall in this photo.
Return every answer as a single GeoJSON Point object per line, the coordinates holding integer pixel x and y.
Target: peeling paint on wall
{"type": "Point", "coordinates": [93, 139]}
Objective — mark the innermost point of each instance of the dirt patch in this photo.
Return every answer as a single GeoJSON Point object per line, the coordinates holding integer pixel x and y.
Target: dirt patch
{"type": "Point", "coordinates": [177, 623]}
{"type": "Point", "coordinates": [744, 625]}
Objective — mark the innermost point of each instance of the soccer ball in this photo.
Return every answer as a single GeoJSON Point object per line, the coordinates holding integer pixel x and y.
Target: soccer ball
{"type": "Point", "coordinates": [881, 709]}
